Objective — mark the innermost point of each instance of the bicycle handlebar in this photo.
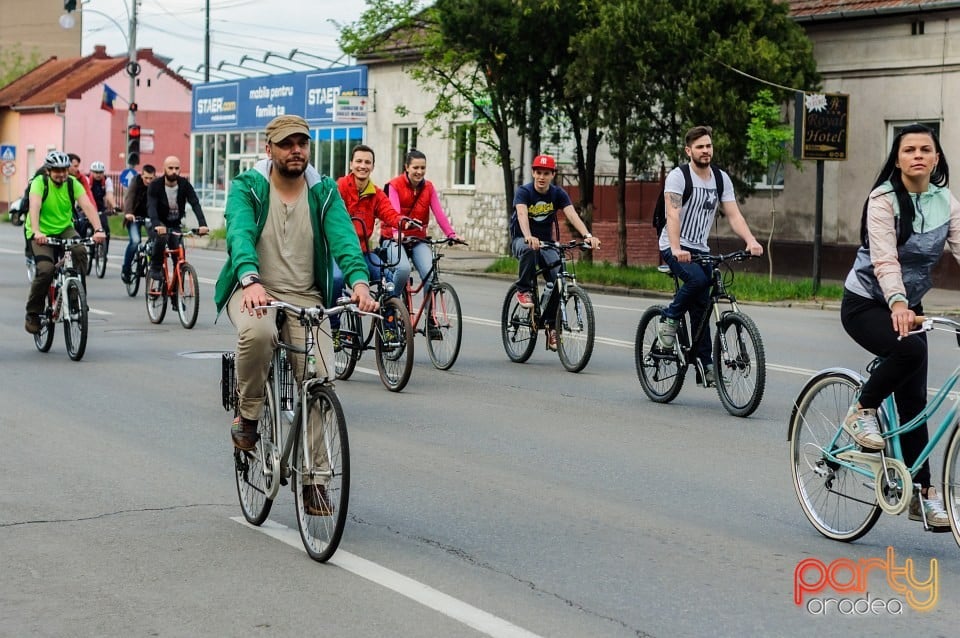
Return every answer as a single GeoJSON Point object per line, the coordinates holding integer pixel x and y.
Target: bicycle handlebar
{"type": "Point", "coordinates": [449, 241]}
{"type": "Point", "coordinates": [70, 241]}
{"type": "Point", "coordinates": [573, 243]}
{"type": "Point", "coordinates": [737, 255]}
{"type": "Point", "coordinates": [306, 315]}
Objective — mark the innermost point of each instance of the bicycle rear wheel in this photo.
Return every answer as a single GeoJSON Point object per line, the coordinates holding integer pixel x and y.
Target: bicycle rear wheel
{"type": "Point", "coordinates": [575, 333]}
{"type": "Point", "coordinates": [444, 328]}
{"type": "Point", "coordinates": [156, 300]}
{"type": "Point", "coordinates": [840, 503]}
{"type": "Point", "coordinates": [660, 370]}
{"type": "Point", "coordinates": [44, 339]}
{"type": "Point", "coordinates": [517, 328]}
{"type": "Point", "coordinates": [739, 363]}
{"type": "Point", "coordinates": [133, 284]}
{"type": "Point", "coordinates": [951, 483]}
{"type": "Point", "coordinates": [74, 315]}
{"type": "Point", "coordinates": [188, 296]}
{"type": "Point", "coordinates": [348, 344]}
{"type": "Point", "coordinates": [322, 484]}
{"type": "Point", "coordinates": [394, 345]}
{"type": "Point", "coordinates": [254, 471]}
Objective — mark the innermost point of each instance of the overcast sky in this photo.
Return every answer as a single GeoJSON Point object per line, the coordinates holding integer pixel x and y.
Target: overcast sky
{"type": "Point", "coordinates": [175, 29]}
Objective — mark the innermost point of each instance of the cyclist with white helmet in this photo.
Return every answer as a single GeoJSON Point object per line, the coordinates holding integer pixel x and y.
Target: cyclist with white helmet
{"type": "Point", "coordinates": [101, 187]}
{"type": "Point", "coordinates": [51, 215]}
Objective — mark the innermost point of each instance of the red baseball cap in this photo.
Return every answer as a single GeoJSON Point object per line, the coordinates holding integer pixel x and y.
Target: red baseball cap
{"type": "Point", "coordinates": [545, 162]}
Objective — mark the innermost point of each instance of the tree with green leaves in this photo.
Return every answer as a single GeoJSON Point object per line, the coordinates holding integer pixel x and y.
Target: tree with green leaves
{"type": "Point", "coordinates": [767, 137]}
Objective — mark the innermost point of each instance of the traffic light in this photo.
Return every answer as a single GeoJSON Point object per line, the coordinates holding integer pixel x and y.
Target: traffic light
{"type": "Point", "coordinates": [69, 5]}
{"type": "Point", "coordinates": [133, 144]}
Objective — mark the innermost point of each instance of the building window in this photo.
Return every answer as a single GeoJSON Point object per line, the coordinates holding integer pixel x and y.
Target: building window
{"type": "Point", "coordinates": [894, 128]}
{"type": "Point", "coordinates": [465, 155]}
{"type": "Point", "coordinates": [772, 178]}
{"type": "Point", "coordinates": [332, 149]}
{"type": "Point", "coordinates": [406, 140]}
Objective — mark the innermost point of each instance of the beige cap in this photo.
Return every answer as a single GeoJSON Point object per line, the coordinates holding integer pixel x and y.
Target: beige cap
{"type": "Point", "coordinates": [283, 126]}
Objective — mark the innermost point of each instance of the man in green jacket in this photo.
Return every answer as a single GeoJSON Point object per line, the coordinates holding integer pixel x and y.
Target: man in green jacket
{"type": "Point", "coordinates": [285, 224]}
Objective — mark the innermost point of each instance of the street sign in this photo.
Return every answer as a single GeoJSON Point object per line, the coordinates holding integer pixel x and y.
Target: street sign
{"type": "Point", "coordinates": [9, 168]}
{"type": "Point", "coordinates": [820, 131]}
{"type": "Point", "coordinates": [126, 176]}
{"type": "Point", "coordinates": [8, 152]}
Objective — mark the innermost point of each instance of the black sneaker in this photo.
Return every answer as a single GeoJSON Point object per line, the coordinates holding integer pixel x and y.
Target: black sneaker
{"type": "Point", "coordinates": [126, 276]}
{"type": "Point", "coordinates": [32, 323]}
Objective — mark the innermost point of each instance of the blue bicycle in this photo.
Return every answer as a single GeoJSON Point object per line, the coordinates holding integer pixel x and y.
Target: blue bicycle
{"type": "Point", "coordinates": [842, 489]}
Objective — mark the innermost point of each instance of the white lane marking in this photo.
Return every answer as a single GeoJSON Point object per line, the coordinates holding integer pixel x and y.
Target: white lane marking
{"type": "Point", "coordinates": [416, 591]}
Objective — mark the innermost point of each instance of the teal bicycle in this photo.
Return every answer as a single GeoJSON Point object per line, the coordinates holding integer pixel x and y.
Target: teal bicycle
{"type": "Point", "coordinates": [843, 490]}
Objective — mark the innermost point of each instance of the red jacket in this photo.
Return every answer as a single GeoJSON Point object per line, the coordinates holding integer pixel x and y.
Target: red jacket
{"type": "Point", "coordinates": [368, 206]}
{"type": "Point", "coordinates": [412, 205]}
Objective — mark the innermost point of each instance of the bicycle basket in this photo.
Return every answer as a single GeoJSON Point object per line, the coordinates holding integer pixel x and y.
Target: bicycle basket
{"type": "Point", "coordinates": [228, 381]}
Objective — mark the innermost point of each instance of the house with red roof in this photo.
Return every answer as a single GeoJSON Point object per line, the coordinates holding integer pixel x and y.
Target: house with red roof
{"type": "Point", "coordinates": [60, 105]}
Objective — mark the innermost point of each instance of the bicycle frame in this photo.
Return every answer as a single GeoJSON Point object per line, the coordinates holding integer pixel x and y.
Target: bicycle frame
{"type": "Point", "coordinates": [433, 276]}
{"type": "Point", "coordinates": [564, 279]}
{"type": "Point", "coordinates": [179, 257]}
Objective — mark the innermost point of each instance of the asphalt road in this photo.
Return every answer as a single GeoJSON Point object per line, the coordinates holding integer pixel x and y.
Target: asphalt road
{"type": "Point", "coordinates": [492, 499]}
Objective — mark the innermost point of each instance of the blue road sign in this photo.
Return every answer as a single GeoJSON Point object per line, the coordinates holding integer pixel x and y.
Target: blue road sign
{"type": "Point", "coordinates": [8, 152]}
{"type": "Point", "coordinates": [126, 176]}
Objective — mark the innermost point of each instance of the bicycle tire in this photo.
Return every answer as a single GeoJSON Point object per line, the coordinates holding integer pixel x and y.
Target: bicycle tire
{"type": "Point", "coordinates": [576, 334]}
{"type": "Point", "coordinates": [840, 503]}
{"type": "Point", "coordinates": [188, 296]}
{"type": "Point", "coordinates": [443, 312]}
{"type": "Point", "coordinates": [347, 349]}
{"type": "Point", "coordinates": [48, 326]}
{"type": "Point", "coordinates": [88, 269]}
{"type": "Point", "coordinates": [75, 319]}
{"type": "Point", "coordinates": [661, 372]}
{"type": "Point", "coordinates": [255, 486]}
{"type": "Point", "coordinates": [321, 533]}
{"type": "Point", "coordinates": [740, 364]}
{"type": "Point", "coordinates": [394, 357]}
{"type": "Point", "coordinates": [100, 257]}
{"type": "Point", "coordinates": [951, 483]}
{"type": "Point", "coordinates": [517, 328]}
{"type": "Point", "coordinates": [156, 301]}
{"type": "Point", "coordinates": [137, 271]}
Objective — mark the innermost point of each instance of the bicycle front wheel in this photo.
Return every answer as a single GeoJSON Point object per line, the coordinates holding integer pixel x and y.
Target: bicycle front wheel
{"type": "Point", "coordinates": [394, 345]}
{"type": "Point", "coordinates": [100, 258]}
{"type": "Point", "coordinates": [739, 363]}
{"type": "Point", "coordinates": [839, 502]}
{"type": "Point", "coordinates": [347, 344]}
{"type": "Point", "coordinates": [322, 485]}
{"type": "Point", "coordinates": [660, 370]}
{"type": "Point", "coordinates": [444, 326]}
{"type": "Point", "coordinates": [517, 328]}
{"type": "Point", "coordinates": [188, 296]}
{"type": "Point", "coordinates": [44, 339]}
{"type": "Point", "coordinates": [74, 318]}
{"type": "Point", "coordinates": [951, 483]}
{"type": "Point", "coordinates": [156, 300]}
{"type": "Point", "coordinates": [254, 470]}
{"type": "Point", "coordinates": [133, 284]}
{"type": "Point", "coordinates": [575, 329]}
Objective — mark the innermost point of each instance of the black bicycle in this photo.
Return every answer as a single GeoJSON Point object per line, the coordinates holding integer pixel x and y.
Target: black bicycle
{"type": "Point", "coordinates": [141, 261]}
{"type": "Point", "coordinates": [574, 320]}
{"type": "Point", "coordinates": [739, 363]}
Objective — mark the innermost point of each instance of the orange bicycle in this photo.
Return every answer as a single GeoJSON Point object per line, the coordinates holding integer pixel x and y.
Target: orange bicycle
{"type": "Point", "coordinates": [179, 284]}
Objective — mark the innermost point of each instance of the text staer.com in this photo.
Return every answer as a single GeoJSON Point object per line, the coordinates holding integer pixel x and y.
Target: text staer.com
{"type": "Point", "coordinates": [847, 576]}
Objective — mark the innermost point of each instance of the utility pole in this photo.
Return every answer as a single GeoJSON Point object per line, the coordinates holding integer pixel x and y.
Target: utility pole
{"type": "Point", "coordinates": [206, 46]}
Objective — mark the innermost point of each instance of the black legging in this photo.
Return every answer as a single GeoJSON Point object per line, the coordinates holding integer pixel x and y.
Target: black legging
{"type": "Point", "coordinates": [903, 371]}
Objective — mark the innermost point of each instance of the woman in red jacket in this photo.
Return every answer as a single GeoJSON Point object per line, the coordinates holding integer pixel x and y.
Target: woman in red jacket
{"type": "Point", "coordinates": [415, 197]}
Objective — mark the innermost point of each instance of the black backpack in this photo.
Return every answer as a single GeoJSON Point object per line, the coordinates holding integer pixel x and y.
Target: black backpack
{"type": "Point", "coordinates": [660, 210]}
{"type": "Point", "coordinates": [25, 202]}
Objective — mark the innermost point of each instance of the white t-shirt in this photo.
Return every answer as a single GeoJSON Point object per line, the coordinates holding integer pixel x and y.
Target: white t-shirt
{"type": "Point", "coordinates": [697, 215]}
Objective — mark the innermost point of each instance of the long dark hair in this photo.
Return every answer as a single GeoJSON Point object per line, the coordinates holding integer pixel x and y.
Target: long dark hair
{"type": "Point", "coordinates": [890, 171]}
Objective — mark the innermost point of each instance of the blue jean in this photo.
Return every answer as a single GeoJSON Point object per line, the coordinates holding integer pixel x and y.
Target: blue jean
{"type": "Point", "coordinates": [422, 258]}
{"type": "Point", "coordinates": [693, 297]}
{"type": "Point", "coordinates": [374, 266]}
{"type": "Point", "coordinates": [133, 229]}
{"type": "Point", "coordinates": [530, 260]}
{"type": "Point", "coordinates": [400, 273]}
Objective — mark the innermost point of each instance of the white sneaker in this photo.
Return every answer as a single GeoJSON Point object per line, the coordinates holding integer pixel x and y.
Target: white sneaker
{"type": "Point", "coordinates": [862, 425]}
{"type": "Point", "coordinates": [667, 332]}
{"type": "Point", "coordinates": [933, 511]}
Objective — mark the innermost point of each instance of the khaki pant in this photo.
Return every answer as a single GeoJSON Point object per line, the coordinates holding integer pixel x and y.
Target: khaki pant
{"type": "Point", "coordinates": [44, 258]}
{"type": "Point", "coordinates": [256, 339]}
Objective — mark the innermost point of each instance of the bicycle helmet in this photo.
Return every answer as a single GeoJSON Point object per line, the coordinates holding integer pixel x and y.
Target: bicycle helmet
{"type": "Point", "coordinates": [97, 167]}
{"type": "Point", "coordinates": [56, 159]}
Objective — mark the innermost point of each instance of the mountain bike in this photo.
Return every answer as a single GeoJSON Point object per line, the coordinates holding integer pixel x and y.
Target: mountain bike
{"type": "Point", "coordinates": [179, 283]}
{"type": "Point", "coordinates": [66, 301]}
{"type": "Point", "coordinates": [843, 490]}
{"type": "Point", "coordinates": [390, 332]}
{"type": "Point", "coordinates": [98, 253]}
{"type": "Point", "coordinates": [303, 436]}
{"type": "Point", "coordinates": [140, 265]}
{"type": "Point", "coordinates": [574, 319]}
{"type": "Point", "coordinates": [442, 319]}
{"type": "Point", "coordinates": [739, 362]}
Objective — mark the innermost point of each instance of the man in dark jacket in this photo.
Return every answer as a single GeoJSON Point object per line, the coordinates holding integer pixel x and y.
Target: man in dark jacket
{"type": "Point", "coordinates": [134, 208]}
{"type": "Point", "coordinates": [166, 204]}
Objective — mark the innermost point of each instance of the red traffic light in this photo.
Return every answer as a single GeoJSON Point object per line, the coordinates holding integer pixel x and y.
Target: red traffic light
{"type": "Point", "coordinates": [133, 131]}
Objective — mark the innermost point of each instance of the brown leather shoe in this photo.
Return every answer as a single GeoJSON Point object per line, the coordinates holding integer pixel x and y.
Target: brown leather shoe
{"type": "Point", "coordinates": [315, 501]}
{"type": "Point", "coordinates": [244, 434]}
{"type": "Point", "coordinates": [32, 323]}
{"type": "Point", "coordinates": [552, 339]}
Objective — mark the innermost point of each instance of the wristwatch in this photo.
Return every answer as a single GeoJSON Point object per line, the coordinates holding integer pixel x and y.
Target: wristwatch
{"type": "Point", "coordinates": [587, 236]}
{"type": "Point", "coordinates": [99, 230]}
{"type": "Point", "coordinates": [249, 280]}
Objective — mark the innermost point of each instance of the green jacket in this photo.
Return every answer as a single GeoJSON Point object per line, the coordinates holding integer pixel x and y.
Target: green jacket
{"type": "Point", "coordinates": [246, 215]}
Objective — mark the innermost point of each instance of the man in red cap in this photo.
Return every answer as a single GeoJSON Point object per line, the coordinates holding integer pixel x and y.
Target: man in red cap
{"type": "Point", "coordinates": [534, 219]}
